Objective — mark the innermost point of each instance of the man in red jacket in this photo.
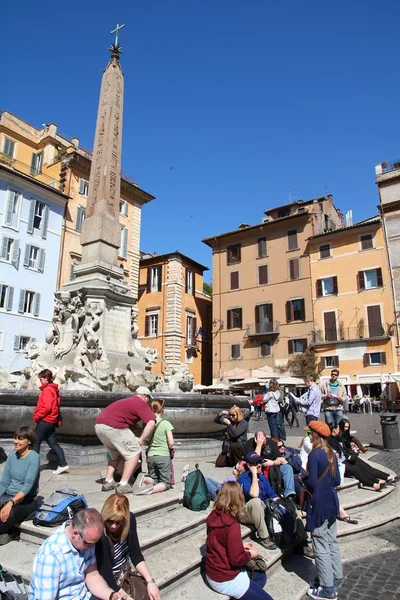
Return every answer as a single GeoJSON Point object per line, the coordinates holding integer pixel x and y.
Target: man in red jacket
{"type": "Point", "coordinates": [113, 428]}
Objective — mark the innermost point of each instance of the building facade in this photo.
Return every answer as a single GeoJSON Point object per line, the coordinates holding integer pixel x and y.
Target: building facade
{"type": "Point", "coordinates": [262, 300]}
{"type": "Point", "coordinates": [175, 314]}
{"type": "Point", "coordinates": [31, 217]}
{"type": "Point", "coordinates": [388, 182]}
{"type": "Point", "coordinates": [354, 321]}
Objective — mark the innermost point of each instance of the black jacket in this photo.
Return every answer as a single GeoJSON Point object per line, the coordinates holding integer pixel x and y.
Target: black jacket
{"type": "Point", "coordinates": [104, 554]}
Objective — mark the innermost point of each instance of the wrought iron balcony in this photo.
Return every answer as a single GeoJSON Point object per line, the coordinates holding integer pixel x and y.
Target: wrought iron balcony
{"type": "Point", "coordinates": [263, 329]}
{"type": "Point", "coordinates": [353, 334]}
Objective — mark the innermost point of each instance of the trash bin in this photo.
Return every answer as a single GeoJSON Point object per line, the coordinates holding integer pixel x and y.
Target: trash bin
{"type": "Point", "coordinates": [390, 431]}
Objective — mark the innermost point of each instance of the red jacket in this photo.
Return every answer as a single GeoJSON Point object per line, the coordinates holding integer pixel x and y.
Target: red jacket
{"type": "Point", "coordinates": [225, 553]}
{"type": "Point", "coordinates": [47, 407]}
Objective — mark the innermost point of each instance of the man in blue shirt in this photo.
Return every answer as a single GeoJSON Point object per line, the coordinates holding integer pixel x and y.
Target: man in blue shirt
{"type": "Point", "coordinates": [256, 489]}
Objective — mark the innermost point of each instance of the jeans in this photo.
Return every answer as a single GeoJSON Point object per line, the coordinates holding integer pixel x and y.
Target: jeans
{"type": "Point", "coordinates": [212, 487]}
{"type": "Point", "coordinates": [333, 416]}
{"type": "Point", "coordinates": [257, 411]}
{"type": "Point", "coordinates": [255, 591]}
{"type": "Point", "coordinates": [47, 431]}
{"type": "Point", "coordinates": [310, 418]}
{"type": "Point", "coordinates": [288, 479]}
{"type": "Point", "coordinates": [327, 554]}
{"type": "Point", "coordinates": [273, 424]}
{"type": "Point", "coordinates": [281, 426]}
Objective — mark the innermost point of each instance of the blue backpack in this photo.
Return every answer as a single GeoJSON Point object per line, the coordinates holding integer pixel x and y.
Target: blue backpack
{"type": "Point", "coordinates": [61, 506]}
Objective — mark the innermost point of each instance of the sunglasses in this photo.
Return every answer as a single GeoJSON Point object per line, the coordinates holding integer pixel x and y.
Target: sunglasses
{"type": "Point", "coordinates": [334, 373]}
{"type": "Point", "coordinates": [114, 522]}
{"type": "Point", "coordinates": [85, 543]}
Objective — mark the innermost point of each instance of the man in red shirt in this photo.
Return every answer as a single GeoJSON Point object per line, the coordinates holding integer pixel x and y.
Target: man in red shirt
{"type": "Point", "coordinates": [113, 428]}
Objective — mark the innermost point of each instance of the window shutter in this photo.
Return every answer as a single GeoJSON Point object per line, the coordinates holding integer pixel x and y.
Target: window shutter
{"type": "Point", "coordinates": [383, 358]}
{"type": "Point", "coordinates": [16, 343]}
{"type": "Point", "coordinates": [193, 332]}
{"type": "Point", "coordinates": [229, 319]}
{"type": "Point", "coordinates": [335, 361]}
{"type": "Point", "coordinates": [319, 288]}
{"type": "Point", "coordinates": [156, 325]}
{"type": "Point", "coordinates": [289, 317]}
{"type": "Point", "coordinates": [193, 283]}
{"type": "Point", "coordinates": [71, 273]}
{"type": "Point", "coordinates": [159, 277]}
{"type": "Point", "coordinates": [294, 268]}
{"type": "Point", "coordinates": [45, 222]}
{"type": "Point", "coordinates": [148, 284]}
{"type": "Point", "coordinates": [257, 312]}
{"type": "Point", "coordinates": [292, 239]}
{"type": "Point", "coordinates": [124, 243]}
{"type": "Point", "coordinates": [240, 318]}
{"type": "Point", "coordinates": [303, 310]}
{"type": "Point", "coordinates": [26, 255]}
{"type": "Point", "coordinates": [36, 305]}
{"type": "Point", "coordinates": [79, 218]}
{"type": "Point", "coordinates": [335, 285]}
{"type": "Point", "coordinates": [186, 280]}
{"type": "Point", "coordinates": [379, 280]}
{"type": "Point", "coordinates": [41, 260]}
{"type": "Point", "coordinates": [147, 326]}
{"type": "Point", "coordinates": [366, 359]}
{"type": "Point", "coordinates": [235, 280]}
{"type": "Point", "coordinates": [9, 208]}
{"type": "Point", "coordinates": [82, 186]}
{"type": "Point", "coordinates": [4, 244]}
{"type": "Point", "coordinates": [290, 346]}
{"type": "Point", "coordinates": [31, 215]}
{"type": "Point", "coordinates": [15, 254]}
{"type": "Point", "coordinates": [21, 301]}
{"type": "Point", "coordinates": [263, 275]}
{"type": "Point", "coordinates": [360, 281]}
{"type": "Point", "coordinates": [33, 164]}
{"type": "Point", "coordinates": [10, 298]}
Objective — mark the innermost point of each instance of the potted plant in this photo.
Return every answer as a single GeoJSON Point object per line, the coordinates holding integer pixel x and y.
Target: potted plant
{"type": "Point", "coordinates": [341, 330]}
{"type": "Point", "coordinates": [360, 328]}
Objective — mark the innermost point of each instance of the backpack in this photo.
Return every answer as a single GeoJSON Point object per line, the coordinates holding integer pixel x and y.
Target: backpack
{"type": "Point", "coordinates": [61, 506]}
{"type": "Point", "coordinates": [276, 479]}
{"type": "Point", "coordinates": [282, 522]}
{"type": "Point", "coordinates": [195, 495]}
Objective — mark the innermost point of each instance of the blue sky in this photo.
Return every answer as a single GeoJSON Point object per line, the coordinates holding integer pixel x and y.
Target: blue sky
{"type": "Point", "coordinates": [245, 100]}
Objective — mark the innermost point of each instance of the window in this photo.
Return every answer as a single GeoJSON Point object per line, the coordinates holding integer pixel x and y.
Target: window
{"type": "Point", "coordinates": [83, 187]}
{"type": "Point", "coordinates": [235, 351]}
{"type": "Point", "coordinates": [123, 249]}
{"type": "Point", "coordinates": [325, 251]}
{"type": "Point", "coordinates": [6, 297]}
{"type": "Point", "coordinates": [38, 219]}
{"type": "Point", "coordinates": [21, 342]}
{"type": "Point", "coordinates": [36, 163]}
{"type": "Point", "coordinates": [331, 362]}
{"type": "Point", "coordinates": [294, 268]}
{"type": "Point", "coordinates": [283, 212]}
{"type": "Point", "coordinates": [327, 286]}
{"type": "Point", "coordinates": [233, 254]}
{"type": "Point", "coordinates": [154, 279]}
{"type": "Point", "coordinates": [2, 339]}
{"type": "Point", "coordinates": [374, 358]}
{"type": "Point", "coordinates": [191, 330]}
{"type": "Point", "coordinates": [292, 240]}
{"type": "Point", "coordinates": [151, 325]}
{"type": "Point", "coordinates": [265, 349]}
{"type": "Point", "coordinates": [330, 326]}
{"type": "Point", "coordinates": [367, 241]}
{"type": "Point", "coordinates": [234, 276]}
{"type": "Point", "coordinates": [12, 209]}
{"type": "Point", "coordinates": [295, 310]}
{"type": "Point", "coordinates": [263, 275]}
{"type": "Point", "coordinates": [367, 280]}
{"type": "Point", "coordinates": [189, 282]}
{"type": "Point", "coordinates": [34, 258]}
{"type": "Point", "coordinates": [264, 318]}
{"type": "Point", "coordinates": [123, 208]}
{"type": "Point", "coordinates": [375, 328]}
{"type": "Point", "coordinates": [234, 318]}
{"type": "Point", "coordinates": [297, 346]}
{"type": "Point", "coordinates": [29, 303]}
{"type": "Point", "coordinates": [8, 147]}
{"type": "Point", "coordinates": [262, 247]}
{"type": "Point", "coordinates": [80, 217]}
{"type": "Point", "coordinates": [7, 244]}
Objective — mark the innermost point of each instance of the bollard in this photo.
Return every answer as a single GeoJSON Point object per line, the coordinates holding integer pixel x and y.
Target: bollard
{"type": "Point", "coordinates": [390, 431]}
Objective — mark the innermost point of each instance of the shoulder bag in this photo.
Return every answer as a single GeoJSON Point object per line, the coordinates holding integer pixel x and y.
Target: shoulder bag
{"type": "Point", "coordinates": [130, 580]}
{"type": "Point", "coordinates": [306, 495]}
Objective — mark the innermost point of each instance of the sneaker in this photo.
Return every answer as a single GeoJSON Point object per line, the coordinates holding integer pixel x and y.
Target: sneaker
{"type": "Point", "coordinates": [321, 592]}
{"type": "Point", "coordinates": [109, 485]}
{"type": "Point", "coordinates": [60, 470]}
{"type": "Point", "coordinates": [266, 543]}
{"type": "Point", "coordinates": [5, 538]}
{"type": "Point", "coordinates": [124, 489]}
{"type": "Point", "coordinates": [185, 472]}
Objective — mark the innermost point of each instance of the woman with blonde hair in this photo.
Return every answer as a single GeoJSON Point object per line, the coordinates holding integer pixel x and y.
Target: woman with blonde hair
{"type": "Point", "coordinates": [119, 545]}
{"type": "Point", "coordinates": [322, 512]}
{"type": "Point", "coordinates": [236, 436]}
{"type": "Point", "coordinates": [226, 555]}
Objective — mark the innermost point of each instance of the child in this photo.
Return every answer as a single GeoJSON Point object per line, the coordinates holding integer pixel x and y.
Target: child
{"type": "Point", "coordinates": [159, 451]}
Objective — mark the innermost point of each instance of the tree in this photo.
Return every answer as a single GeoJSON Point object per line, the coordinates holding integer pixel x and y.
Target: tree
{"type": "Point", "coordinates": [207, 289]}
{"type": "Point", "coordinates": [303, 365]}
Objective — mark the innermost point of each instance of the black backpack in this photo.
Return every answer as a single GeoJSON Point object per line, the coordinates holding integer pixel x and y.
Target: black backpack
{"type": "Point", "coordinates": [61, 506]}
{"type": "Point", "coordinates": [195, 495]}
{"type": "Point", "coordinates": [282, 522]}
{"type": "Point", "coordinates": [276, 479]}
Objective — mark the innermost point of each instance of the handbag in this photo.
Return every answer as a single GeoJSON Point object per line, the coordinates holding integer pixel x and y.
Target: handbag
{"type": "Point", "coordinates": [130, 580]}
{"type": "Point", "coordinates": [257, 564]}
{"type": "Point", "coordinates": [306, 495]}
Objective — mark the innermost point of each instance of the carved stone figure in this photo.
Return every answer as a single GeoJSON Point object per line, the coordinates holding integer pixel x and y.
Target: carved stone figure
{"type": "Point", "coordinates": [68, 313]}
{"type": "Point", "coordinates": [92, 350]}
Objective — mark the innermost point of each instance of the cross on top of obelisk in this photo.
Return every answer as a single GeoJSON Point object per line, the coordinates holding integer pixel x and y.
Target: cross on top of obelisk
{"type": "Point", "coordinates": [116, 30]}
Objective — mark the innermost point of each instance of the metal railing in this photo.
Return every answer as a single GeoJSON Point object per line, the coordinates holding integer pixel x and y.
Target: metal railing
{"type": "Point", "coordinates": [370, 331]}
{"type": "Point", "coordinates": [270, 328]}
{"type": "Point", "coordinates": [391, 166]}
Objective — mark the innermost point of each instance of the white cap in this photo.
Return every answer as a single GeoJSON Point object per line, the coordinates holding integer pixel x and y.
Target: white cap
{"type": "Point", "coordinates": [143, 391]}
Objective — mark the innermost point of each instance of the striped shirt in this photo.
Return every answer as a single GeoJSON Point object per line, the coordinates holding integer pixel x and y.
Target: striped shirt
{"type": "Point", "coordinates": [120, 556]}
{"type": "Point", "coordinates": [59, 569]}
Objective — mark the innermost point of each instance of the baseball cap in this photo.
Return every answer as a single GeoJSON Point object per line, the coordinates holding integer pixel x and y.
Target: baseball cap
{"type": "Point", "coordinates": [253, 459]}
{"type": "Point", "coordinates": [143, 391]}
